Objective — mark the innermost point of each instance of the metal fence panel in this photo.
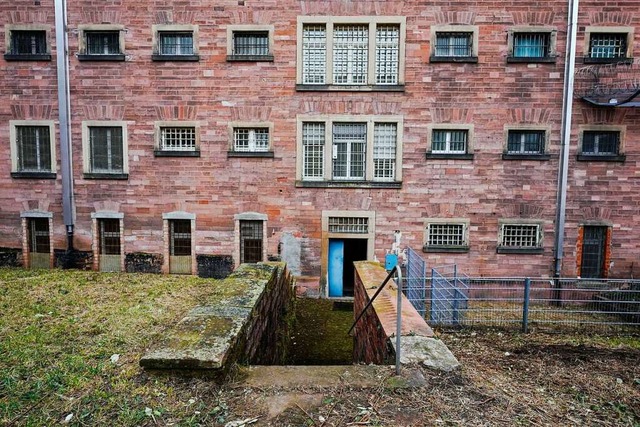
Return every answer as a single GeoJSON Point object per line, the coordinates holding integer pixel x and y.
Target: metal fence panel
{"type": "Point", "coordinates": [415, 285]}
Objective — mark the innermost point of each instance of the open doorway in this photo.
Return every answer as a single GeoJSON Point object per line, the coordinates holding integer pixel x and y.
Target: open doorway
{"type": "Point", "coordinates": [342, 254]}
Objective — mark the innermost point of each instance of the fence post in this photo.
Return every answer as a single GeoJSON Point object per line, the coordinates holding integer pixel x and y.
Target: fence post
{"type": "Point", "coordinates": [432, 317]}
{"type": "Point", "coordinates": [525, 306]}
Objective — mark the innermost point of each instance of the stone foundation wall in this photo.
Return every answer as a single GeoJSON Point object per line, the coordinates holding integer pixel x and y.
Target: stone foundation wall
{"type": "Point", "coordinates": [10, 257]}
{"type": "Point", "coordinates": [214, 266]}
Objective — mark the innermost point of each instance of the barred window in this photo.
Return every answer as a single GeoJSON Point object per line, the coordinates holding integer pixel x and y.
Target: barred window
{"type": "Point", "coordinates": [176, 43]}
{"type": "Point", "coordinates": [313, 140]}
{"type": "Point", "coordinates": [106, 149]}
{"type": "Point", "coordinates": [180, 237]}
{"type": "Point", "coordinates": [601, 143]}
{"type": "Point", "coordinates": [251, 241]}
{"type": "Point", "coordinates": [251, 43]}
{"type": "Point", "coordinates": [39, 238]}
{"type": "Point", "coordinates": [360, 53]}
{"type": "Point", "coordinates": [33, 149]}
{"type": "Point", "coordinates": [28, 42]}
{"type": "Point", "coordinates": [385, 136]}
{"type": "Point", "coordinates": [102, 42]}
{"type": "Point", "coordinates": [531, 45]}
{"type": "Point", "coordinates": [350, 54]}
{"type": "Point", "coordinates": [314, 54]}
{"type": "Point", "coordinates": [520, 236]}
{"type": "Point", "coordinates": [349, 150]}
{"type": "Point", "coordinates": [352, 225]}
{"type": "Point", "coordinates": [608, 45]}
{"type": "Point", "coordinates": [454, 44]}
{"type": "Point", "coordinates": [178, 138]}
{"type": "Point", "coordinates": [526, 142]}
{"type": "Point", "coordinates": [387, 54]}
{"type": "Point", "coordinates": [449, 141]}
{"type": "Point", "coordinates": [251, 139]}
{"type": "Point", "coordinates": [446, 235]}
{"type": "Point", "coordinates": [109, 236]}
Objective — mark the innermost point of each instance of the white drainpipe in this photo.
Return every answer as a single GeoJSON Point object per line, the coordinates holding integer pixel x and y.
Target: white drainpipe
{"type": "Point", "coordinates": [567, 111]}
{"type": "Point", "coordinates": [64, 111]}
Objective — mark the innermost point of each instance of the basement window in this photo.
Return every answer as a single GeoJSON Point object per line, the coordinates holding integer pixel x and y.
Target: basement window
{"type": "Point", "coordinates": [520, 238]}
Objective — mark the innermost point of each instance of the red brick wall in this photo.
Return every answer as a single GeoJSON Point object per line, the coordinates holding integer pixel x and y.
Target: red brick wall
{"type": "Point", "coordinates": [214, 92]}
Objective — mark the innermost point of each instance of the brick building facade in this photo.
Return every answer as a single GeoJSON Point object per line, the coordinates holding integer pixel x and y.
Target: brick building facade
{"type": "Point", "coordinates": [205, 134]}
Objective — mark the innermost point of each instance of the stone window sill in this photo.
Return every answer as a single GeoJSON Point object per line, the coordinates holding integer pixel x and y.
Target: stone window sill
{"type": "Point", "coordinates": [17, 57]}
{"type": "Point", "coordinates": [453, 156]}
{"type": "Point", "coordinates": [103, 58]}
{"type": "Point", "coordinates": [620, 158]}
{"type": "Point", "coordinates": [33, 175]}
{"type": "Point", "coordinates": [541, 157]}
{"type": "Point", "coordinates": [349, 88]}
{"type": "Point", "coordinates": [349, 184]}
{"type": "Point", "coordinates": [113, 176]}
{"type": "Point", "coordinates": [455, 59]}
{"type": "Point", "coordinates": [166, 153]}
{"type": "Point", "coordinates": [508, 250]}
{"type": "Point", "coordinates": [589, 60]}
{"type": "Point", "coordinates": [249, 58]}
{"type": "Point", "coordinates": [259, 154]}
{"type": "Point", "coordinates": [531, 60]}
{"type": "Point", "coordinates": [445, 249]}
{"type": "Point", "coordinates": [167, 58]}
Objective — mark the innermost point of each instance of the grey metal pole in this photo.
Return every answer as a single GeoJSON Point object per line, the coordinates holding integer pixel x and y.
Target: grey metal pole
{"type": "Point", "coordinates": [399, 320]}
{"type": "Point", "coordinates": [567, 111]}
{"type": "Point", "coordinates": [64, 111]}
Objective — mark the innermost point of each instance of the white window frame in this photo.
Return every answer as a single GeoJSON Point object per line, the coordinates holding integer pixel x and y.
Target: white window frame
{"type": "Point", "coordinates": [158, 130]}
{"type": "Point", "coordinates": [524, 223]}
{"type": "Point", "coordinates": [372, 23]}
{"type": "Point", "coordinates": [328, 121]}
{"type": "Point", "coordinates": [251, 126]}
{"type": "Point", "coordinates": [463, 222]}
{"type": "Point", "coordinates": [232, 29]}
{"type": "Point", "coordinates": [86, 146]}
{"type": "Point", "coordinates": [590, 31]}
{"type": "Point", "coordinates": [13, 138]}
{"type": "Point", "coordinates": [472, 30]}
{"type": "Point", "coordinates": [450, 127]}
{"type": "Point", "coordinates": [91, 28]}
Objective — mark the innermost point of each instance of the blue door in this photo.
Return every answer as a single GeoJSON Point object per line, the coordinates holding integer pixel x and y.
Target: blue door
{"type": "Point", "coordinates": [336, 267]}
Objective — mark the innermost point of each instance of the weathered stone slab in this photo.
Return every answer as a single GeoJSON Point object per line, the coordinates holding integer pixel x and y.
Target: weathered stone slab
{"type": "Point", "coordinates": [430, 352]}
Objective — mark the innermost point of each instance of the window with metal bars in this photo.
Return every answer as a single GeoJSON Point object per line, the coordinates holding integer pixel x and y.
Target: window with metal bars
{"type": "Point", "coordinates": [39, 240]}
{"type": "Point", "coordinates": [528, 142]}
{"type": "Point", "coordinates": [350, 225]}
{"type": "Point", "coordinates": [106, 151]}
{"type": "Point", "coordinates": [251, 240]}
{"type": "Point", "coordinates": [522, 236]}
{"type": "Point", "coordinates": [454, 44]}
{"type": "Point", "coordinates": [449, 141]}
{"type": "Point", "coordinates": [251, 43]}
{"type": "Point", "coordinates": [28, 42]}
{"type": "Point", "coordinates": [109, 236]}
{"type": "Point", "coordinates": [349, 47]}
{"type": "Point", "coordinates": [180, 237]}
{"type": "Point", "coordinates": [102, 42]}
{"type": "Point", "coordinates": [446, 235]}
{"type": "Point", "coordinates": [607, 45]}
{"type": "Point", "coordinates": [33, 148]}
{"type": "Point", "coordinates": [313, 143]}
{"type": "Point", "coordinates": [385, 136]}
{"type": "Point", "coordinates": [178, 138]}
{"type": "Point", "coordinates": [175, 43]}
{"type": "Point", "coordinates": [531, 45]}
{"type": "Point", "coordinates": [601, 143]}
{"type": "Point", "coordinates": [251, 139]}
{"type": "Point", "coordinates": [349, 151]}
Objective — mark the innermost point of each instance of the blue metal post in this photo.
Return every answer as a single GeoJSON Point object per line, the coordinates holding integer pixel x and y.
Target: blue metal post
{"type": "Point", "coordinates": [525, 306]}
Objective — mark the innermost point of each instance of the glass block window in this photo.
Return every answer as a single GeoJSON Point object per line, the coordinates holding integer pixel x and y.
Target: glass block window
{"type": "Point", "coordinates": [251, 139]}
{"type": "Point", "coordinates": [531, 45]}
{"type": "Point", "coordinates": [449, 141]}
{"type": "Point", "coordinates": [178, 138]}
{"type": "Point", "coordinates": [109, 236]}
{"type": "Point", "coordinates": [349, 150]}
{"type": "Point", "coordinates": [102, 42]}
{"type": "Point", "coordinates": [251, 43]}
{"type": "Point", "coordinates": [314, 54]}
{"type": "Point", "coordinates": [348, 225]}
{"type": "Point", "coordinates": [34, 148]}
{"type": "Point", "coordinates": [385, 136]}
{"type": "Point", "coordinates": [520, 236]}
{"type": "Point", "coordinates": [176, 43]}
{"type": "Point", "coordinates": [450, 44]}
{"type": "Point", "coordinates": [446, 235]}
{"type": "Point", "coordinates": [601, 143]}
{"type": "Point", "coordinates": [106, 149]}
{"type": "Point", "coordinates": [28, 42]}
{"type": "Point", "coordinates": [526, 142]}
{"type": "Point", "coordinates": [180, 237]}
{"type": "Point", "coordinates": [608, 45]}
{"type": "Point", "coordinates": [39, 240]}
{"type": "Point", "coordinates": [350, 54]}
{"type": "Point", "coordinates": [387, 54]}
{"type": "Point", "coordinates": [251, 233]}
{"type": "Point", "coordinates": [313, 141]}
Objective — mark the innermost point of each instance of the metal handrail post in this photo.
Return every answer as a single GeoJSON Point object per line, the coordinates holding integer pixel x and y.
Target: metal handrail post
{"type": "Point", "coordinates": [398, 320]}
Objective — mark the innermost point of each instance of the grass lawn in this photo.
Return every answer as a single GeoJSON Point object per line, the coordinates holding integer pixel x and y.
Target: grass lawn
{"type": "Point", "coordinates": [60, 332]}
